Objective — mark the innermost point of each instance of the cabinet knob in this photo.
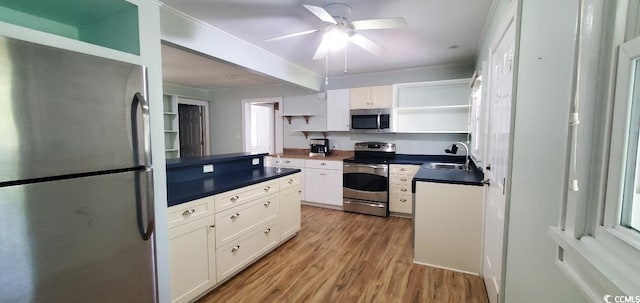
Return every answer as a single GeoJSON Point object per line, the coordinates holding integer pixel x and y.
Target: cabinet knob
{"type": "Point", "coordinates": [403, 179]}
{"type": "Point", "coordinates": [188, 212]}
{"type": "Point", "coordinates": [323, 164]}
{"type": "Point", "coordinates": [290, 181]}
{"type": "Point", "coordinates": [212, 226]}
{"type": "Point", "coordinates": [266, 231]}
{"type": "Point", "coordinates": [403, 189]}
{"type": "Point", "coordinates": [287, 161]}
{"type": "Point", "coordinates": [266, 204]}
{"type": "Point", "coordinates": [235, 248]}
{"type": "Point", "coordinates": [235, 216]}
{"type": "Point", "coordinates": [267, 188]}
{"type": "Point", "coordinates": [234, 198]}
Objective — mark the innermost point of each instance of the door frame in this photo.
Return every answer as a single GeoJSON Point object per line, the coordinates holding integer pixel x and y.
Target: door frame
{"type": "Point", "coordinates": [510, 19]}
{"type": "Point", "coordinates": [205, 104]}
{"type": "Point", "coordinates": [277, 123]}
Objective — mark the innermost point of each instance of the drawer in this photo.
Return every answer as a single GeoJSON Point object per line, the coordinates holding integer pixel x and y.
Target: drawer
{"type": "Point", "coordinates": [400, 189]}
{"type": "Point", "coordinates": [402, 169]}
{"type": "Point", "coordinates": [289, 181]}
{"type": "Point", "coordinates": [322, 164]}
{"type": "Point", "coordinates": [400, 179]}
{"type": "Point", "coordinates": [292, 162]}
{"type": "Point", "coordinates": [401, 203]}
{"type": "Point", "coordinates": [190, 211]}
{"type": "Point", "coordinates": [233, 222]}
{"type": "Point", "coordinates": [240, 196]}
{"type": "Point", "coordinates": [244, 250]}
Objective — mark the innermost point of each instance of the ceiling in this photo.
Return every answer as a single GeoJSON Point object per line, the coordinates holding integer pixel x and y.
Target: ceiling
{"type": "Point", "coordinates": [439, 32]}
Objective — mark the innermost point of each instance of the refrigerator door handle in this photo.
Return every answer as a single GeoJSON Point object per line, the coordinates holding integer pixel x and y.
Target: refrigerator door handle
{"type": "Point", "coordinates": [144, 203]}
{"type": "Point", "coordinates": [140, 101]}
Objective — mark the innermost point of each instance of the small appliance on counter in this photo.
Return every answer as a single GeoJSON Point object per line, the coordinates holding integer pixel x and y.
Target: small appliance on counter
{"type": "Point", "coordinates": [319, 147]}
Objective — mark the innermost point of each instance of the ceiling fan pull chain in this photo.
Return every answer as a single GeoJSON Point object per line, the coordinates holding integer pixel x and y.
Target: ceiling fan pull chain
{"type": "Point", "coordinates": [345, 58]}
{"type": "Point", "coordinates": [326, 70]}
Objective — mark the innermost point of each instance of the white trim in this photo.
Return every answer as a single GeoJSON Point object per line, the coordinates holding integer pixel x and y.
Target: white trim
{"type": "Point", "coordinates": [446, 268]}
{"type": "Point", "coordinates": [246, 120]}
{"type": "Point", "coordinates": [207, 132]}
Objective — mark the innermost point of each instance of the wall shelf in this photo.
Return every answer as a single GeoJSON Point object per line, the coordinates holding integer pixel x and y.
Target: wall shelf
{"type": "Point", "coordinates": [305, 116]}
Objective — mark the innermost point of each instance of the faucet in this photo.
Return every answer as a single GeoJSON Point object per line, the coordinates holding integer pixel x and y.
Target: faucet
{"type": "Point", "coordinates": [454, 150]}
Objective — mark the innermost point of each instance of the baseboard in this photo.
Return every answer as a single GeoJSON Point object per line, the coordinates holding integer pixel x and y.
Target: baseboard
{"type": "Point", "coordinates": [447, 268]}
{"type": "Point", "coordinates": [321, 205]}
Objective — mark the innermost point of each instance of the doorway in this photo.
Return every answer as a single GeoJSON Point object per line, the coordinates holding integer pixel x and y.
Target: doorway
{"type": "Point", "coordinates": [262, 128]}
{"type": "Point", "coordinates": [193, 127]}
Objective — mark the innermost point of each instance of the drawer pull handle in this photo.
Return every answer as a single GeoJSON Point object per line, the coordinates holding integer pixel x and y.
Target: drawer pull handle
{"type": "Point", "coordinates": [290, 181]}
{"type": "Point", "coordinates": [266, 204]}
{"type": "Point", "coordinates": [403, 189]}
{"type": "Point", "coordinates": [235, 198]}
{"type": "Point", "coordinates": [403, 169]}
{"type": "Point", "coordinates": [323, 164]}
{"type": "Point", "coordinates": [403, 200]}
{"type": "Point", "coordinates": [212, 226]}
{"type": "Point", "coordinates": [267, 188]}
{"type": "Point", "coordinates": [235, 216]}
{"type": "Point", "coordinates": [188, 212]}
{"type": "Point", "coordinates": [235, 248]}
{"type": "Point", "coordinates": [287, 161]}
{"type": "Point", "coordinates": [266, 231]}
{"type": "Point", "coordinates": [403, 179]}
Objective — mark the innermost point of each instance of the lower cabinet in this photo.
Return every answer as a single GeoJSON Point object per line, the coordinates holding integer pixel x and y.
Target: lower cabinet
{"type": "Point", "coordinates": [245, 249]}
{"type": "Point", "coordinates": [448, 226]}
{"type": "Point", "coordinates": [400, 197]}
{"type": "Point", "coordinates": [192, 258]}
{"type": "Point", "coordinates": [323, 182]}
{"type": "Point", "coordinates": [213, 238]}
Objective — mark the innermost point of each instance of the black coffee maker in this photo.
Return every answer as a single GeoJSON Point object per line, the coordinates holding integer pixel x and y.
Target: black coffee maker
{"type": "Point", "coordinates": [319, 147]}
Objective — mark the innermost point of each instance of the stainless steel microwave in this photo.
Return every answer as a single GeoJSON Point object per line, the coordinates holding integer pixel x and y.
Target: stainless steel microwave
{"type": "Point", "coordinates": [371, 120]}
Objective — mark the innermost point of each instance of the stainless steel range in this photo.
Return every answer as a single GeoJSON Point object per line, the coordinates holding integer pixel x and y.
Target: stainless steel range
{"type": "Point", "coordinates": [366, 179]}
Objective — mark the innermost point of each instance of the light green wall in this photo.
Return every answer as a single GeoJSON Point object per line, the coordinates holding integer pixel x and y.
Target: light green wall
{"type": "Point", "coordinates": [101, 32]}
{"type": "Point", "coordinates": [38, 23]}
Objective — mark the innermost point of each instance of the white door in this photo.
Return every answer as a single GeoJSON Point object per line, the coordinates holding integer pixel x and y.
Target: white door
{"type": "Point", "coordinates": [497, 156]}
{"type": "Point", "coordinates": [333, 187]}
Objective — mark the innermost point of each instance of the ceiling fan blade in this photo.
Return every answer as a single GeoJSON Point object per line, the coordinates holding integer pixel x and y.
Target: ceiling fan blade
{"type": "Point", "coordinates": [321, 52]}
{"type": "Point", "coordinates": [366, 44]}
{"type": "Point", "coordinates": [320, 13]}
{"type": "Point", "coordinates": [387, 23]}
{"type": "Point", "coordinates": [311, 31]}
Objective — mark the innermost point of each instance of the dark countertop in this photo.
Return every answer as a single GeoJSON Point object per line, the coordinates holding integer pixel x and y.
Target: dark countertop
{"type": "Point", "coordinates": [189, 161]}
{"type": "Point", "coordinates": [450, 176]}
{"type": "Point", "coordinates": [185, 191]}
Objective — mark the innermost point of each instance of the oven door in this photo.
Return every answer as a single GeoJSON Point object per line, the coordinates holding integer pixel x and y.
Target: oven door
{"type": "Point", "coordinates": [366, 181]}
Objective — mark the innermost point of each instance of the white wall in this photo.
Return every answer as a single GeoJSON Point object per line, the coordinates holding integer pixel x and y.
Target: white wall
{"type": "Point", "coordinates": [540, 130]}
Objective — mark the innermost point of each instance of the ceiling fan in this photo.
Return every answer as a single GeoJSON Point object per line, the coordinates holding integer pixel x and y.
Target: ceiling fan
{"type": "Point", "coordinates": [338, 30]}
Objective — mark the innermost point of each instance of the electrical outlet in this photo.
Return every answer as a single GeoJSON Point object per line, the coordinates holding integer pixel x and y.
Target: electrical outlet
{"type": "Point", "coordinates": [255, 161]}
{"type": "Point", "coordinates": [207, 168]}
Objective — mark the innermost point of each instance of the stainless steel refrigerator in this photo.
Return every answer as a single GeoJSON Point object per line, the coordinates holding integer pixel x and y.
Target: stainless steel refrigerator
{"type": "Point", "coordinates": [76, 195]}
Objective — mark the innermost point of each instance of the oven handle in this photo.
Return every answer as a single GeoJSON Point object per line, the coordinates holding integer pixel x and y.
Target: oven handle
{"type": "Point", "coordinates": [381, 166]}
{"type": "Point", "coordinates": [378, 205]}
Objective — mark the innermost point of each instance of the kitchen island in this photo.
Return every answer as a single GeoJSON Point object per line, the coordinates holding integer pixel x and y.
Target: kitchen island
{"type": "Point", "coordinates": [225, 212]}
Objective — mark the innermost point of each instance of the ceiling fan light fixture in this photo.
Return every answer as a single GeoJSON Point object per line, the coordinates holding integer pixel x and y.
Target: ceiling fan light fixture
{"type": "Point", "coordinates": [335, 39]}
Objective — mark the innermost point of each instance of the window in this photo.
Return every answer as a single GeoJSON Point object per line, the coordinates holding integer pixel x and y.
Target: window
{"type": "Point", "coordinates": [599, 233]}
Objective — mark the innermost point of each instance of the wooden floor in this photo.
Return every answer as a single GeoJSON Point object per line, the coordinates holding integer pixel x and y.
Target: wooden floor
{"type": "Point", "coordinates": [344, 257]}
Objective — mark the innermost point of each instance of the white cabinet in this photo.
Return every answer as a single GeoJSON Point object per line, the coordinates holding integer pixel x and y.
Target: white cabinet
{"type": "Point", "coordinates": [400, 197]}
{"type": "Point", "coordinates": [432, 107]}
{"type": "Point", "coordinates": [338, 118]}
{"type": "Point", "coordinates": [371, 97]}
{"type": "Point", "coordinates": [448, 226]}
{"type": "Point", "coordinates": [323, 182]}
{"type": "Point", "coordinates": [289, 163]}
{"type": "Point", "coordinates": [192, 249]}
{"type": "Point", "coordinates": [290, 206]}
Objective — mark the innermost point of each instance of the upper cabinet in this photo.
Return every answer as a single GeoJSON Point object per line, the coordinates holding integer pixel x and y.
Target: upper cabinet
{"type": "Point", "coordinates": [432, 107]}
{"type": "Point", "coordinates": [371, 97]}
{"type": "Point", "coordinates": [109, 24]}
{"type": "Point", "coordinates": [338, 118]}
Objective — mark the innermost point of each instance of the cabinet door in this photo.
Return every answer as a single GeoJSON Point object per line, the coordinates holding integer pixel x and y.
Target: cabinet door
{"type": "Point", "coordinates": [313, 189]}
{"type": "Point", "coordinates": [289, 212]}
{"type": "Point", "coordinates": [382, 96]}
{"type": "Point", "coordinates": [338, 118]}
{"type": "Point", "coordinates": [192, 259]}
{"type": "Point", "coordinates": [333, 187]}
{"type": "Point", "coordinates": [360, 98]}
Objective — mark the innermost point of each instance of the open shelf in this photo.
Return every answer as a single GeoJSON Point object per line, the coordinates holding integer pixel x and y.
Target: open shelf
{"type": "Point", "coordinates": [306, 132]}
{"type": "Point", "coordinates": [291, 116]}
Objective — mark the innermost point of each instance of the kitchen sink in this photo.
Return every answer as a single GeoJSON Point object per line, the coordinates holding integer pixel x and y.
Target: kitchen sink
{"type": "Point", "coordinates": [438, 165]}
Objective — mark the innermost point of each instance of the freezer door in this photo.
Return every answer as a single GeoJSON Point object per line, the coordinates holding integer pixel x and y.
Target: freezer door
{"type": "Point", "coordinates": [63, 112]}
{"type": "Point", "coordinates": [77, 240]}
